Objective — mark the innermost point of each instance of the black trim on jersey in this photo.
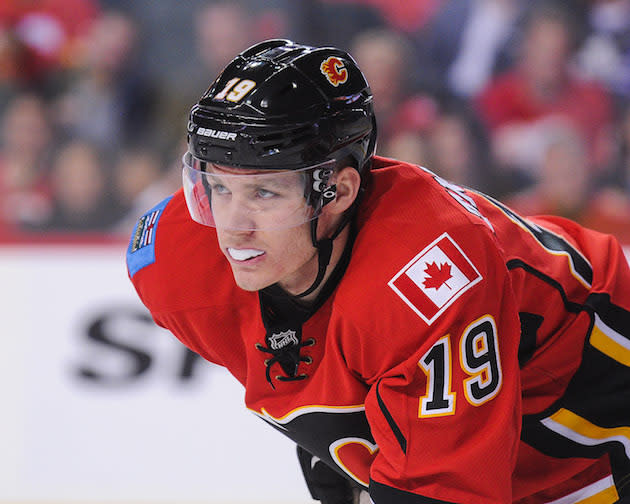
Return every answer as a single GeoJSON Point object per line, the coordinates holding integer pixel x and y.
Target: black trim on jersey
{"type": "Point", "coordinates": [390, 420]}
{"type": "Point", "coordinates": [530, 323]}
{"type": "Point", "coordinates": [612, 315]}
{"type": "Point", "coordinates": [316, 431]}
{"type": "Point", "coordinates": [384, 494]}
{"type": "Point", "coordinates": [598, 392]}
{"type": "Point", "coordinates": [570, 306]}
{"type": "Point", "coordinates": [549, 240]}
{"type": "Point", "coordinates": [600, 378]}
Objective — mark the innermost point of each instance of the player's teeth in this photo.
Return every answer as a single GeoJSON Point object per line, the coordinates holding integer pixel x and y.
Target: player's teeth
{"type": "Point", "coordinates": [244, 254]}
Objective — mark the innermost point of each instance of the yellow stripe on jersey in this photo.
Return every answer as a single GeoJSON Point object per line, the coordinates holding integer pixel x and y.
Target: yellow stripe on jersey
{"type": "Point", "coordinates": [608, 496]}
{"type": "Point", "coordinates": [578, 429]}
{"type": "Point", "coordinates": [600, 492]}
{"type": "Point", "coordinates": [610, 342]}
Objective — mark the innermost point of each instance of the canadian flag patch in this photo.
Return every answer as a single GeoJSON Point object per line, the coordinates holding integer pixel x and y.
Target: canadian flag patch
{"type": "Point", "coordinates": [435, 278]}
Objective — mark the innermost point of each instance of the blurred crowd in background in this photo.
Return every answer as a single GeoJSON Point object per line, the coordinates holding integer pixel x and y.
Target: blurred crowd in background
{"type": "Point", "coordinates": [527, 101]}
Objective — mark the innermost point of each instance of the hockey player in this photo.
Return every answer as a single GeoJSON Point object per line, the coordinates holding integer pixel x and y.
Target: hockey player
{"type": "Point", "coordinates": [417, 340]}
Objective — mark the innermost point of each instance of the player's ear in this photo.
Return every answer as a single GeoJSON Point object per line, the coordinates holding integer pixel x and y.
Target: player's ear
{"type": "Point", "coordinates": [348, 182]}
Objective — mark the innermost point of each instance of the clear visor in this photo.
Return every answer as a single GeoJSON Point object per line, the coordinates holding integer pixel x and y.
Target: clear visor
{"type": "Point", "coordinates": [231, 198]}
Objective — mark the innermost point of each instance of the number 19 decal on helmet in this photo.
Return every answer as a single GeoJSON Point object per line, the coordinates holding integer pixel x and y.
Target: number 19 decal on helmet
{"type": "Point", "coordinates": [235, 90]}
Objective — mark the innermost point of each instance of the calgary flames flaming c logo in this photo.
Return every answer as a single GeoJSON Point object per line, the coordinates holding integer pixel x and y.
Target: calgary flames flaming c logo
{"type": "Point", "coordinates": [334, 70]}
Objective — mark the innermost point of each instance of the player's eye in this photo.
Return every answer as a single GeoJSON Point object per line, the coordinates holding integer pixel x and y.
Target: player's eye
{"type": "Point", "coordinates": [219, 189]}
{"type": "Point", "coordinates": [265, 193]}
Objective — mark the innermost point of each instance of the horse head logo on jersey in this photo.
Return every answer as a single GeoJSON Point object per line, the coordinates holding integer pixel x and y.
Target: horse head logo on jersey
{"type": "Point", "coordinates": [334, 70]}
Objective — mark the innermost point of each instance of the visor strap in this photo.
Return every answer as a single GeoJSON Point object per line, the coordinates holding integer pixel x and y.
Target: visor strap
{"type": "Point", "coordinates": [324, 251]}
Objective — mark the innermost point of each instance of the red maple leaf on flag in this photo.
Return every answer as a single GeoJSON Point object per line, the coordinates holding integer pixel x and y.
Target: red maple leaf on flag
{"type": "Point", "coordinates": [437, 275]}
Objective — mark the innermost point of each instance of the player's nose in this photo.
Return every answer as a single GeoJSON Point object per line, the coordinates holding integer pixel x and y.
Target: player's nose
{"type": "Point", "coordinates": [238, 217]}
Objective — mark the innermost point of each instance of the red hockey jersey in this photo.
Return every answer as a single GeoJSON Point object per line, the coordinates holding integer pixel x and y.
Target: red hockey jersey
{"type": "Point", "coordinates": [467, 355]}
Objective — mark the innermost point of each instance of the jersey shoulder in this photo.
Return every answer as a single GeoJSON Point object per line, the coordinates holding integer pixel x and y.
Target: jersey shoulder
{"type": "Point", "coordinates": [407, 208]}
{"type": "Point", "coordinates": [421, 262]}
{"type": "Point", "coordinates": [175, 263]}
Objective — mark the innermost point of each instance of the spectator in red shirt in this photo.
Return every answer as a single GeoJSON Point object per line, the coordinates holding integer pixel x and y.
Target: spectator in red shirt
{"type": "Point", "coordinates": [542, 85]}
{"type": "Point", "coordinates": [40, 37]}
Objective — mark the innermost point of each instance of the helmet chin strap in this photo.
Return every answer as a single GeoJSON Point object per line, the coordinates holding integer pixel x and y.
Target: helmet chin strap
{"type": "Point", "coordinates": [325, 245]}
{"type": "Point", "coordinates": [324, 252]}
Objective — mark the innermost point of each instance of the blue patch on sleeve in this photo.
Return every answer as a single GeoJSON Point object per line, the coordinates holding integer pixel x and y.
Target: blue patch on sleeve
{"type": "Point", "coordinates": [141, 250]}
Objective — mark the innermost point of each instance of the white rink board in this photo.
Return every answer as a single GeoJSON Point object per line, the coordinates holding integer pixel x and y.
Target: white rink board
{"type": "Point", "coordinates": [140, 433]}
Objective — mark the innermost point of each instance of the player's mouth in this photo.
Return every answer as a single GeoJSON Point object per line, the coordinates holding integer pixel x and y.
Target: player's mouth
{"type": "Point", "coordinates": [242, 255]}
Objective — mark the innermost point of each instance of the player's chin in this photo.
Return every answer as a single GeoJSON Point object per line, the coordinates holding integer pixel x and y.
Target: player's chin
{"type": "Point", "coordinates": [249, 282]}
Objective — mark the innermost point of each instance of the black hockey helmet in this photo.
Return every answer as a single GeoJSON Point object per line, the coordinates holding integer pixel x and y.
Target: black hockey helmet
{"type": "Point", "coordinates": [281, 105]}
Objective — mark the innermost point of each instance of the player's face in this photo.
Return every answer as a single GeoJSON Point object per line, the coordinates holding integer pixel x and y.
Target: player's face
{"type": "Point", "coordinates": [262, 258]}
{"type": "Point", "coordinates": [248, 212]}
